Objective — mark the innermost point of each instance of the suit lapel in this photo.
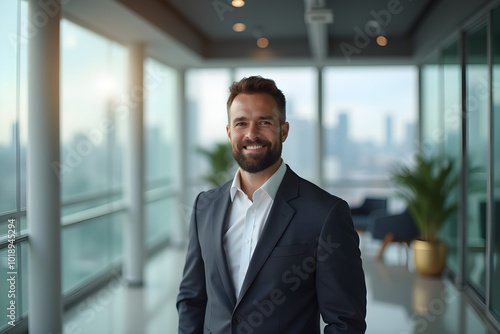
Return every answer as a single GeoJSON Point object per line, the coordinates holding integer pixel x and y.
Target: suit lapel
{"type": "Point", "coordinates": [280, 216]}
{"type": "Point", "coordinates": [220, 211]}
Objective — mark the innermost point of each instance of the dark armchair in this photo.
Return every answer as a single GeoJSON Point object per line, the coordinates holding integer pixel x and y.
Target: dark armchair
{"type": "Point", "coordinates": [361, 215]}
{"type": "Point", "coordinates": [393, 228]}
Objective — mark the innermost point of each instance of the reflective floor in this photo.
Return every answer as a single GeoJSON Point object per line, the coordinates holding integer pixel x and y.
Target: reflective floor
{"type": "Point", "coordinates": [399, 300]}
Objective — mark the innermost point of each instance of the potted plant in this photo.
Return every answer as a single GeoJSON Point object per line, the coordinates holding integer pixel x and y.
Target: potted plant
{"type": "Point", "coordinates": [426, 187]}
{"type": "Point", "coordinates": [221, 162]}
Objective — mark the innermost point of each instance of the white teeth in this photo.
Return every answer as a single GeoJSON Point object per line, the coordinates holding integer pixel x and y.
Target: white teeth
{"type": "Point", "coordinates": [254, 147]}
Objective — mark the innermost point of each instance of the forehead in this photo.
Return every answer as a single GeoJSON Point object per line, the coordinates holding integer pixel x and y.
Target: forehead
{"type": "Point", "coordinates": [253, 105]}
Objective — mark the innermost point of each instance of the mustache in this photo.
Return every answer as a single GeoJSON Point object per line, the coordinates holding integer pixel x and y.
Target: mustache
{"type": "Point", "coordinates": [254, 142]}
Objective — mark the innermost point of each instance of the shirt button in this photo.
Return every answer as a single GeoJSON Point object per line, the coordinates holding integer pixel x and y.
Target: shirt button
{"type": "Point", "coordinates": [236, 320]}
{"type": "Point", "coordinates": [247, 241]}
{"type": "Point", "coordinates": [243, 273]}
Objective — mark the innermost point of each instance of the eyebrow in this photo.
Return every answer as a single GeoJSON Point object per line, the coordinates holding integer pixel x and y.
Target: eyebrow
{"type": "Point", "coordinates": [239, 119]}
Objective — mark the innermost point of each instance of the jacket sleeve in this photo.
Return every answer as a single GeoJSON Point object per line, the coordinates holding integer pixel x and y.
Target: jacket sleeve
{"type": "Point", "coordinates": [340, 280]}
{"type": "Point", "coordinates": [192, 298]}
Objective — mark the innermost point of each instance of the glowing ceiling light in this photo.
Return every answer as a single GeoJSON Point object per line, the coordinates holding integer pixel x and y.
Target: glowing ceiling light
{"type": "Point", "coordinates": [238, 3]}
{"type": "Point", "coordinates": [382, 41]}
{"type": "Point", "coordinates": [239, 27]}
{"type": "Point", "coordinates": [262, 42]}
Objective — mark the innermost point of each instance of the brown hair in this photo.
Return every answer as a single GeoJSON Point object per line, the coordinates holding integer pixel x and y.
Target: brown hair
{"type": "Point", "coordinates": [258, 84]}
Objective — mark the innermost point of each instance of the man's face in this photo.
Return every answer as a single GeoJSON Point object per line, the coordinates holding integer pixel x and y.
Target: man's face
{"type": "Point", "coordinates": [255, 132]}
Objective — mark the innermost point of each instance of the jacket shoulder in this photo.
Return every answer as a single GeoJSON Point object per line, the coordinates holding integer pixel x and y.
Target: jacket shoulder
{"type": "Point", "coordinates": [215, 192]}
{"type": "Point", "coordinates": [313, 192]}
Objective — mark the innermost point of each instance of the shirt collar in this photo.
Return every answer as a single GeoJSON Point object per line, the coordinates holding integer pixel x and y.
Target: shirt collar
{"type": "Point", "coordinates": [270, 187]}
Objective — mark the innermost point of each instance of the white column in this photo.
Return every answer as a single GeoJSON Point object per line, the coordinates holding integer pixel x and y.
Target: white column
{"type": "Point", "coordinates": [134, 245]}
{"type": "Point", "coordinates": [184, 200]}
{"type": "Point", "coordinates": [43, 186]}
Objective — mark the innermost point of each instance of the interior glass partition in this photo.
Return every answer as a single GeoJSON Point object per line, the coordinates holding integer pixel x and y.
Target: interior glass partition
{"type": "Point", "coordinates": [477, 157]}
{"type": "Point", "coordinates": [495, 261]}
{"type": "Point", "coordinates": [451, 122]}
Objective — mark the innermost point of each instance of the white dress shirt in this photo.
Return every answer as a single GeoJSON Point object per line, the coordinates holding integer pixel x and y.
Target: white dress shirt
{"type": "Point", "coordinates": [246, 222]}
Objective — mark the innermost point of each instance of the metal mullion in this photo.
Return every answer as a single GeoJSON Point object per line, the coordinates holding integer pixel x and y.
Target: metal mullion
{"type": "Point", "coordinates": [490, 200]}
{"type": "Point", "coordinates": [4, 242]}
{"type": "Point", "coordinates": [18, 114]}
{"type": "Point", "coordinates": [419, 109]}
{"type": "Point", "coordinates": [93, 213]}
{"type": "Point", "coordinates": [9, 215]}
{"type": "Point", "coordinates": [462, 230]}
{"type": "Point", "coordinates": [320, 139]}
{"type": "Point", "coordinates": [18, 240]}
{"type": "Point", "coordinates": [441, 103]}
{"type": "Point", "coordinates": [86, 198]}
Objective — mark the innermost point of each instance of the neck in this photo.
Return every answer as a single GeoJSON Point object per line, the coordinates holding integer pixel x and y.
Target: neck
{"type": "Point", "coordinates": [250, 182]}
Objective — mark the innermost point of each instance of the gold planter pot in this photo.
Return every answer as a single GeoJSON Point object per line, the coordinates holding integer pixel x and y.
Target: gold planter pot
{"type": "Point", "coordinates": [430, 257]}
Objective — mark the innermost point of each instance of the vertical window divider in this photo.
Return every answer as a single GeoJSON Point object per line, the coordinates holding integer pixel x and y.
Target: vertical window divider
{"type": "Point", "coordinates": [18, 150]}
{"type": "Point", "coordinates": [441, 104]}
{"type": "Point", "coordinates": [320, 139]}
{"type": "Point", "coordinates": [489, 200]}
{"type": "Point", "coordinates": [462, 230]}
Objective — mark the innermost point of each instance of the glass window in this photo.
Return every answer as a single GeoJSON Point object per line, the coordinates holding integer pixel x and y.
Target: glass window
{"type": "Point", "coordinates": [13, 135]}
{"type": "Point", "coordinates": [477, 156]}
{"type": "Point", "coordinates": [300, 88]}
{"type": "Point", "coordinates": [160, 120]}
{"type": "Point", "coordinates": [495, 279]}
{"type": "Point", "coordinates": [90, 249]}
{"type": "Point", "coordinates": [451, 139]}
{"type": "Point", "coordinates": [93, 78]}
{"type": "Point", "coordinates": [206, 96]}
{"type": "Point", "coordinates": [159, 217]}
{"type": "Point", "coordinates": [369, 120]}
{"type": "Point", "coordinates": [93, 109]}
{"type": "Point", "coordinates": [161, 150]}
{"type": "Point", "coordinates": [431, 116]}
{"type": "Point", "coordinates": [20, 297]}
{"type": "Point", "coordinates": [9, 89]}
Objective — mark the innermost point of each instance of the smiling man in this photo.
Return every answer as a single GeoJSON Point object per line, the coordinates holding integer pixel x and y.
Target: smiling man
{"type": "Point", "coordinates": [269, 252]}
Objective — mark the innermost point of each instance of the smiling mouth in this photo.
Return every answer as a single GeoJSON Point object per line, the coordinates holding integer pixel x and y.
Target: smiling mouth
{"type": "Point", "coordinates": [254, 147]}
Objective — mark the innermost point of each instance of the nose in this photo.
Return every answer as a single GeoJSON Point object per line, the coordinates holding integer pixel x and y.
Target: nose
{"type": "Point", "coordinates": [253, 131]}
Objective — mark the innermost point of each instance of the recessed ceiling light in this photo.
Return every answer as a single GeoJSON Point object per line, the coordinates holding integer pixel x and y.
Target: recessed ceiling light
{"type": "Point", "coordinates": [239, 27]}
{"type": "Point", "coordinates": [238, 3]}
{"type": "Point", "coordinates": [381, 40]}
{"type": "Point", "coordinates": [263, 42]}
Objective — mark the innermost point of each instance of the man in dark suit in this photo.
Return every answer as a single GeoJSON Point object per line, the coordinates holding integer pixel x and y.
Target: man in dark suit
{"type": "Point", "coordinates": [269, 252]}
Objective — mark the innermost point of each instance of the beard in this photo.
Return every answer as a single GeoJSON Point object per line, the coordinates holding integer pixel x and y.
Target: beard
{"type": "Point", "coordinates": [254, 163]}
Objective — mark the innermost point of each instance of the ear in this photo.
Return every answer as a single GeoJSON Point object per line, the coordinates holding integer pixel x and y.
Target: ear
{"type": "Point", "coordinates": [228, 132]}
{"type": "Point", "coordinates": [284, 131]}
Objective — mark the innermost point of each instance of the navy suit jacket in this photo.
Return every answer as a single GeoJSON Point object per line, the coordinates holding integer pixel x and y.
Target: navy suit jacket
{"type": "Point", "coordinates": [306, 262]}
